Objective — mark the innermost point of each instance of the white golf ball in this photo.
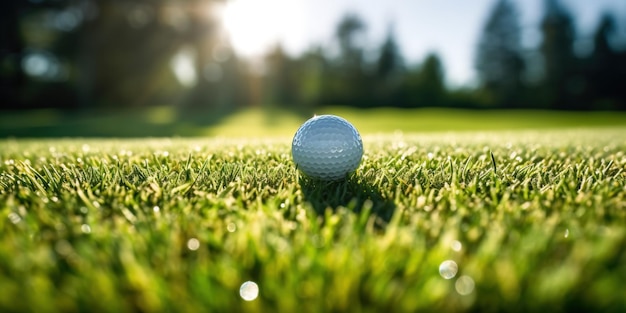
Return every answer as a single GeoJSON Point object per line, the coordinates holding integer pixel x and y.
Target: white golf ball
{"type": "Point", "coordinates": [327, 147]}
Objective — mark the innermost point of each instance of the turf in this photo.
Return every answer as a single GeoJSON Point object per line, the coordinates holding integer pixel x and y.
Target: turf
{"type": "Point", "coordinates": [155, 225]}
{"type": "Point", "coordinates": [167, 121]}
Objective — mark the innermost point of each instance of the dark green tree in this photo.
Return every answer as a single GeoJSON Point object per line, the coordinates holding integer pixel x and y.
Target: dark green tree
{"type": "Point", "coordinates": [390, 60]}
{"type": "Point", "coordinates": [606, 69]}
{"type": "Point", "coordinates": [425, 85]}
{"type": "Point", "coordinates": [389, 69]}
{"type": "Point", "coordinates": [560, 85]}
{"type": "Point", "coordinates": [348, 84]}
{"type": "Point", "coordinates": [280, 80]}
{"type": "Point", "coordinates": [499, 59]}
{"type": "Point", "coordinates": [124, 52]}
{"type": "Point", "coordinates": [32, 72]}
{"type": "Point", "coordinates": [311, 74]}
{"type": "Point", "coordinates": [11, 49]}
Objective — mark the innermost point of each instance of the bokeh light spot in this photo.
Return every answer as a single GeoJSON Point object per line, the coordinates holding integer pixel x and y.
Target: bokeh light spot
{"type": "Point", "coordinates": [464, 285]}
{"type": "Point", "coordinates": [249, 291]}
{"type": "Point", "coordinates": [193, 244]}
{"type": "Point", "coordinates": [448, 269]}
{"type": "Point", "coordinates": [456, 245]}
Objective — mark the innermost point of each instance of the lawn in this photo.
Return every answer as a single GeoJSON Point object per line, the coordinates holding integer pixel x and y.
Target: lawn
{"type": "Point", "coordinates": [166, 121]}
{"type": "Point", "coordinates": [527, 219]}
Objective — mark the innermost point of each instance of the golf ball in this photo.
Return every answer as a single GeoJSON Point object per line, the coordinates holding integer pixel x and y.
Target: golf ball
{"type": "Point", "coordinates": [327, 147]}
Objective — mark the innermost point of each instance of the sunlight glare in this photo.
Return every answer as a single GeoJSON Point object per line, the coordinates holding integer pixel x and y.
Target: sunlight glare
{"type": "Point", "coordinates": [254, 26]}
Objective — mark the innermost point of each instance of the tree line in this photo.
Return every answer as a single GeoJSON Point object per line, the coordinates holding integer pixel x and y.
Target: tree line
{"type": "Point", "coordinates": [82, 54]}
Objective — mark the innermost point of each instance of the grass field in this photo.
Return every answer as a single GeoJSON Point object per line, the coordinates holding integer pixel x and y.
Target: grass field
{"type": "Point", "coordinates": [428, 222]}
{"type": "Point", "coordinates": [168, 122]}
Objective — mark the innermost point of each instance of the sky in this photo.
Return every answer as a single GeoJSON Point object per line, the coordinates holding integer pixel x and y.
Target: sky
{"type": "Point", "coordinates": [451, 28]}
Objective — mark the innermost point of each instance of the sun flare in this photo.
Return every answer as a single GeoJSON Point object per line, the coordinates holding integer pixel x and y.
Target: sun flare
{"type": "Point", "coordinates": [254, 26]}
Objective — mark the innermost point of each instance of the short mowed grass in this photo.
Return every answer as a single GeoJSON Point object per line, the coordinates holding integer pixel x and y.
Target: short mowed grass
{"type": "Point", "coordinates": [534, 220]}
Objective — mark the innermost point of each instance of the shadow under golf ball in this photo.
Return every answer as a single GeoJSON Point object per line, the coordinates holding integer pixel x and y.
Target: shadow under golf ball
{"type": "Point", "coordinates": [352, 193]}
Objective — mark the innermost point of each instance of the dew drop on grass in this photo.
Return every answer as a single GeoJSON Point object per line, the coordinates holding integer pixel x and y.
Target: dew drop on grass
{"type": "Point", "coordinates": [231, 227]}
{"type": "Point", "coordinates": [249, 291]}
{"type": "Point", "coordinates": [464, 285]}
{"type": "Point", "coordinates": [156, 209]}
{"type": "Point", "coordinates": [193, 244]}
{"type": "Point", "coordinates": [566, 233]}
{"type": "Point", "coordinates": [448, 269]}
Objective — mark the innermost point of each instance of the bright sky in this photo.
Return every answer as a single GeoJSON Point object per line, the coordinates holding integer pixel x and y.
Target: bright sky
{"type": "Point", "coordinates": [449, 27]}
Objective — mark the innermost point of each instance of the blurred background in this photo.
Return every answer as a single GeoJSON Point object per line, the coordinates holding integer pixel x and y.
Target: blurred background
{"type": "Point", "coordinates": [166, 63]}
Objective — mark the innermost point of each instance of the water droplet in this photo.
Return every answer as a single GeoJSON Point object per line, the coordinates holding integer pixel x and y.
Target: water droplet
{"type": "Point", "coordinates": [448, 269]}
{"type": "Point", "coordinates": [464, 285]}
{"type": "Point", "coordinates": [249, 291]}
{"type": "Point", "coordinates": [566, 233]}
{"type": "Point", "coordinates": [156, 209]}
{"type": "Point", "coordinates": [231, 227]}
{"type": "Point", "coordinates": [84, 210]}
{"type": "Point", "coordinates": [85, 229]}
{"type": "Point", "coordinates": [193, 244]}
{"type": "Point", "coordinates": [456, 245]}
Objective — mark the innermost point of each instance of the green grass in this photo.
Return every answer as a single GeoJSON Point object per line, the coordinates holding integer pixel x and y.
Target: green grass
{"type": "Point", "coordinates": [167, 121]}
{"type": "Point", "coordinates": [179, 224]}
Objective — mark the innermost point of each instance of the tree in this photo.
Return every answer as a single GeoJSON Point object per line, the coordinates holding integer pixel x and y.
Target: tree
{"type": "Point", "coordinates": [123, 54]}
{"type": "Point", "coordinates": [388, 72]}
{"type": "Point", "coordinates": [348, 83]}
{"type": "Point", "coordinates": [349, 35]}
{"type": "Point", "coordinates": [390, 59]}
{"type": "Point", "coordinates": [11, 48]}
{"type": "Point", "coordinates": [311, 74]}
{"type": "Point", "coordinates": [281, 83]}
{"type": "Point", "coordinates": [206, 37]}
{"type": "Point", "coordinates": [605, 69]}
{"type": "Point", "coordinates": [499, 59]}
{"type": "Point", "coordinates": [425, 86]}
{"type": "Point", "coordinates": [559, 62]}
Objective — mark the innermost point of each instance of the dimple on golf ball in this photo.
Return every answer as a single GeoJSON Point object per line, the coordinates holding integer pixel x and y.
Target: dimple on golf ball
{"type": "Point", "coordinates": [327, 147]}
